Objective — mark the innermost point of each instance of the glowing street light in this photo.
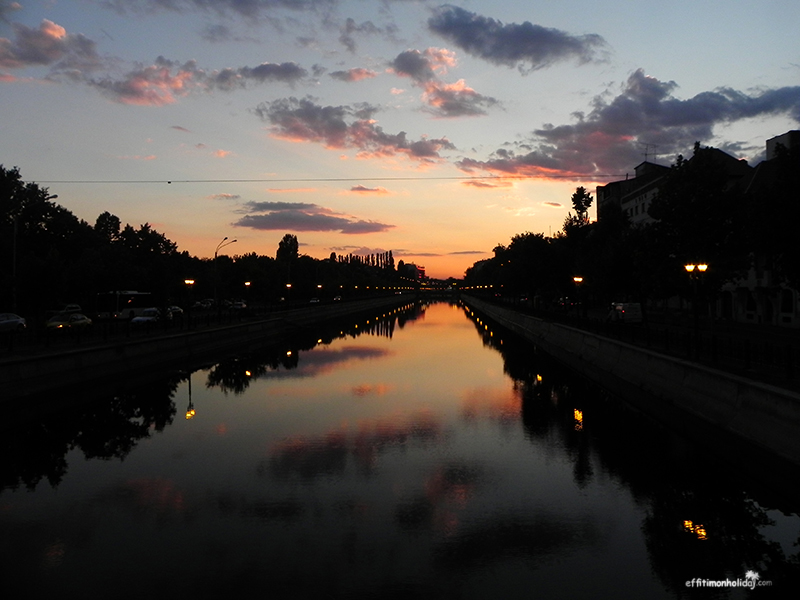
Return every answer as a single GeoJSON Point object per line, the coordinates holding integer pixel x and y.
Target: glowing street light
{"type": "Point", "coordinates": [690, 268]}
{"type": "Point", "coordinates": [578, 280]}
{"type": "Point", "coordinates": [694, 271]}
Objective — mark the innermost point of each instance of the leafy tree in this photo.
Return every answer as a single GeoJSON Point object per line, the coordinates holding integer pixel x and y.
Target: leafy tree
{"type": "Point", "coordinates": [288, 248]}
{"type": "Point", "coordinates": [41, 239]}
{"type": "Point", "coordinates": [107, 227]}
{"type": "Point", "coordinates": [581, 202]}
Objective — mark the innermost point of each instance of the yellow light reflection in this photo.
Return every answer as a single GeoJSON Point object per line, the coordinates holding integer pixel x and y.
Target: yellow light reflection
{"type": "Point", "coordinates": [578, 419]}
{"type": "Point", "coordinates": [697, 529]}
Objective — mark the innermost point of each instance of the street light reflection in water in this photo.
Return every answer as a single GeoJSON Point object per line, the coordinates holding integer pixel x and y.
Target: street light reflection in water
{"type": "Point", "coordinates": [417, 452]}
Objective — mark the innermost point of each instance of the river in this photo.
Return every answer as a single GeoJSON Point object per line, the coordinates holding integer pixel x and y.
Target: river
{"type": "Point", "coordinates": [415, 453]}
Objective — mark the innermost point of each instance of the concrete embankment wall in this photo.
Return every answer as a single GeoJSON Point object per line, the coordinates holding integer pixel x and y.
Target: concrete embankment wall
{"type": "Point", "coordinates": [763, 415]}
{"type": "Point", "coordinates": [29, 375]}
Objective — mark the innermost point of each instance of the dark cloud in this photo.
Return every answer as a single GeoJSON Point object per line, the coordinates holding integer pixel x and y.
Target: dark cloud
{"type": "Point", "coordinates": [48, 45]}
{"type": "Point", "coordinates": [527, 46]}
{"type": "Point", "coordinates": [302, 120]}
{"type": "Point", "coordinates": [611, 137]}
{"type": "Point", "coordinates": [356, 74]}
{"type": "Point", "coordinates": [455, 100]}
{"type": "Point", "coordinates": [303, 216]}
{"type": "Point", "coordinates": [165, 80]}
{"type": "Point", "coordinates": [228, 79]}
{"type": "Point", "coordinates": [246, 8]}
{"type": "Point", "coordinates": [350, 27]}
{"type": "Point", "coordinates": [360, 189]}
{"type": "Point", "coordinates": [414, 64]}
{"type": "Point", "coordinates": [6, 8]}
{"type": "Point", "coordinates": [441, 99]}
{"type": "Point", "coordinates": [279, 206]}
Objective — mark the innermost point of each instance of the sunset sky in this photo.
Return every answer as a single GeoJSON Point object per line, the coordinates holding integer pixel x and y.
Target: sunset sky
{"type": "Point", "coordinates": [433, 130]}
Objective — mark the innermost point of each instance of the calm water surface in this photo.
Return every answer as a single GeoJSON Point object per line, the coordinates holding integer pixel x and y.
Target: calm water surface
{"type": "Point", "coordinates": [414, 454]}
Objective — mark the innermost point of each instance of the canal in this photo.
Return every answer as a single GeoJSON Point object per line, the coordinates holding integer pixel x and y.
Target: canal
{"type": "Point", "coordinates": [415, 453]}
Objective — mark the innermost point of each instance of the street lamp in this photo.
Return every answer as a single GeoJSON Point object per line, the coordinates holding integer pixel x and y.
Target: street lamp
{"type": "Point", "coordinates": [578, 281]}
{"type": "Point", "coordinates": [224, 242]}
{"type": "Point", "coordinates": [694, 271]}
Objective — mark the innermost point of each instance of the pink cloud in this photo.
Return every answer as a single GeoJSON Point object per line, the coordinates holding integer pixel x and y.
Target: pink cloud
{"type": "Point", "coordinates": [351, 75]}
{"type": "Point", "coordinates": [345, 127]}
{"type": "Point", "coordinates": [47, 45]}
{"type": "Point", "coordinates": [360, 189]}
{"type": "Point", "coordinates": [442, 99]}
{"type": "Point", "coordinates": [483, 183]}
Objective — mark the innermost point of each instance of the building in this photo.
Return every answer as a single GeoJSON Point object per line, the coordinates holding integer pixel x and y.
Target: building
{"type": "Point", "coordinates": [633, 195]}
{"type": "Point", "coordinates": [759, 297]}
{"type": "Point", "coordinates": [789, 140]}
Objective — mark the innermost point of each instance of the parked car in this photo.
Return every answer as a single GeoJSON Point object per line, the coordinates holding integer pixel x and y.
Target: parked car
{"type": "Point", "coordinates": [149, 315]}
{"type": "Point", "coordinates": [11, 322]}
{"type": "Point", "coordinates": [627, 312]}
{"type": "Point", "coordinates": [68, 321]}
{"type": "Point", "coordinates": [174, 311]}
{"type": "Point", "coordinates": [314, 300]}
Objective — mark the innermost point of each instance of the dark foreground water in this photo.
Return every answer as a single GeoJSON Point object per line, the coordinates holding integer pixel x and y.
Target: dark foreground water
{"type": "Point", "coordinates": [413, 454]}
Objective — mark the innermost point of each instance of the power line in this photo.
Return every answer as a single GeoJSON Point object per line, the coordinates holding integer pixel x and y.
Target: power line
{"type": "Point", "coordinates": [319, 179]}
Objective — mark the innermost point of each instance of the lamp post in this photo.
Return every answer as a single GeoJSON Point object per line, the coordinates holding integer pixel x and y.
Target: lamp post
{"type": "Point", "coordinates": [224, 242]}
{"type": "Point", "coordinates": [189, 283]}
{"type": "Point", "coordinates": [695, 271]}
{"type": "Point", "coordinates": [578, 281]}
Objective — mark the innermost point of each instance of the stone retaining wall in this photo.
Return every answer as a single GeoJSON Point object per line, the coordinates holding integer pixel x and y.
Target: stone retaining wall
{"type": "Point", "coordinates": [30, 375]}
{"type": "Point", "coordinates": [660, 385]}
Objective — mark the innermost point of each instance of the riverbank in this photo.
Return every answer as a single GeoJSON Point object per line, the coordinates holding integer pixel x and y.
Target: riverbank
{"type": "Point", "coordinates": [666, 387]}
{"type": "Point", "coordinates": [28, 375]}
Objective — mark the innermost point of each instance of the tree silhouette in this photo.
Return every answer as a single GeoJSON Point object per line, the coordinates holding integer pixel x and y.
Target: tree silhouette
{"type": "Point", "coordinates": [288, 248]}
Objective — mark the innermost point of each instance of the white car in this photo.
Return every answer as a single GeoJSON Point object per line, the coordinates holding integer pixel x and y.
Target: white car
{"type": "Point", "coordinates": [149, 315]}
{"type": "Point", "coordinates": [11, 322]}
